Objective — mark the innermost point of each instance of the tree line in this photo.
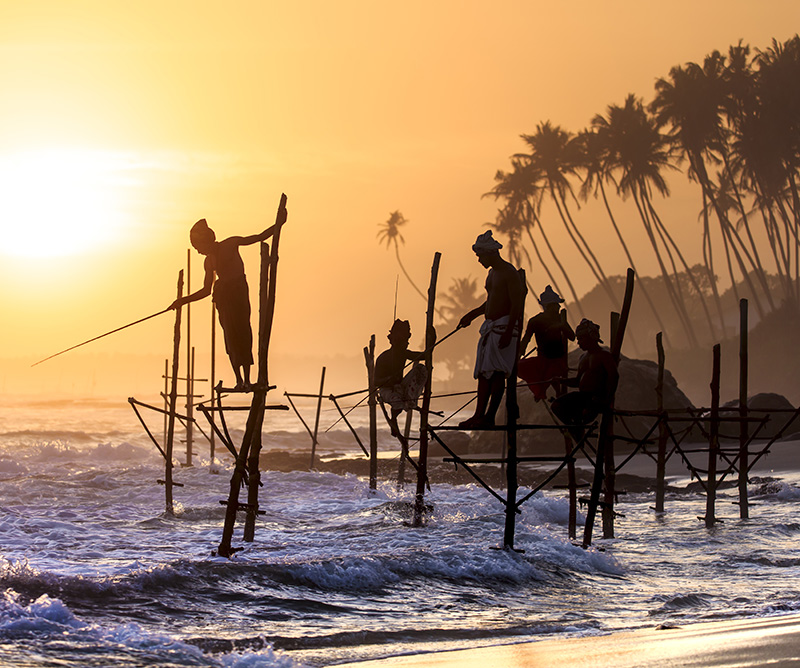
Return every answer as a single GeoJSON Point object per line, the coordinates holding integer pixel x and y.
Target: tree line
{"type": "Point", "coordinates": [733, 122]}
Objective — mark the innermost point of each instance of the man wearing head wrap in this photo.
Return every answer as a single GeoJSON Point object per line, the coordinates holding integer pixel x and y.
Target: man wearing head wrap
{"type": "Point", "coordinates": [399, 391]}
{"type": "Point", "coordinates": [224, 273]}
{"type": "Point", "coordinates": [552, 332]}
{"type": "Point", "coordinates": [498, 345]}
{"type": "Point", "coordinates": [596, 381]}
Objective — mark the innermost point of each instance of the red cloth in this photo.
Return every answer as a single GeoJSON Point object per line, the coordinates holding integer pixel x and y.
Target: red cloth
{"type": "Point", "coordinates": [538, 371]}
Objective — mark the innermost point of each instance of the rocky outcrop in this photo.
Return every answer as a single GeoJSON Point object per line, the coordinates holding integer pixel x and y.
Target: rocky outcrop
{"type": "Point", "coordinates": [781, 416]}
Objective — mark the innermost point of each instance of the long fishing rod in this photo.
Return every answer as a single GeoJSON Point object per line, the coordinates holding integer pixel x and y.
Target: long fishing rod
{"type": "Point", "coordinates": [352, 408]}
{"type": "Point", "coordinates": [131, 324]}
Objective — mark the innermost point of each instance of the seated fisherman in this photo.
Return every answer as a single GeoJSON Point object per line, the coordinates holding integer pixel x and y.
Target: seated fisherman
{"type": "Point", "coordinates": [552, 333]}
{"type": "Point", "coordinates": [399, 391]}
{"type": "Point", "coordinates": [596, 381]}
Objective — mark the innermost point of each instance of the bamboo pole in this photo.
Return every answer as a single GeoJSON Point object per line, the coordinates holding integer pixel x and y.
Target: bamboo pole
{"type": "Point", "coordinates": [189, 362]}
{"type": "Point", "coordinates": [255, 419]}
{"type": "Point", "coordinates": [512, 417]}
{"type": "Point", "coordinates": [661, 456]}
{"type": "Point", "coordinates": [430, 337]}
{"type": "Point", "coordinates": [713, 441]}
{"type": "Point", "coordinates": [369, 358]}
{"type": "Point", "coordinates": [212, 441]}
{"type": "Point", "coordinates": [316, 422]}
{"type": "Point", "coordinates": [610, 473]}
{"type": "Point", "coordinates": [744, 506]}
{"type": "Point", "coordinates": [606, 426]}
{"type": "Point", "coordinates": [173, 401]}
{"type": "Point", "coordinates": [404, 451]}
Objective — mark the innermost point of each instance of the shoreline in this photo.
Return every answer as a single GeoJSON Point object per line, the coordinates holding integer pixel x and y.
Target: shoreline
{"type": "Point", "coordinates": [759, 641]}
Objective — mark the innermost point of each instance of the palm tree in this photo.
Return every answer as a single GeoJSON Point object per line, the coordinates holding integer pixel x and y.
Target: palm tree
{"type": "Point", "coordinates": [520, 214]}
{"type": "Point", "coordinates": [692, 101]}
{"type": "Point", "coordinates": [390, 232]}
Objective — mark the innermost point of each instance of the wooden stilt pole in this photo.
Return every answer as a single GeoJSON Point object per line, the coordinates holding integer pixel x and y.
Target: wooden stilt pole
{"type": "Point", "coordinates": [372, 402]}
{"type": "Point", "coordinates": [252, 435]}
{"type": "Point", "coordinates": [173, 402]}
{"type": "Point", "coordinates": [661, 456]}
{"type": "Point", "coordinates": [610, 473]}
{"type": "Point", "coordinates": [713, 442]}
{"type": "Point", "coordinates": [404, 450]}
{"type": "Point", "coordinates": [189, 363]}
{"type": "Point", "coordinates": [430, 340]}
{"type": "Point", "coordinates": [606, 421]}
{"type": "Point", "coordinates": [316, 421]}
{"type": "Point", "coordinates": [166, 398]}
{"type": "Point", "coordinates": [744, 506]}
{"type": "Point", "coordinates": [212, 441]}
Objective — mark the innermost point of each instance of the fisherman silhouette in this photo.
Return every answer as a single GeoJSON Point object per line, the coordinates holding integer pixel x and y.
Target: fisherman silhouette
{"type": "Point", "coordinates": [596, 381]}
{"type": "Point", "coordinates": [552, 333]}
{"type": "Point", "coordinates": [231, 295]}
{"type": "Point", "coordinates": [399, 391]}
{"type": "Point", "coordinates": [499, 333]}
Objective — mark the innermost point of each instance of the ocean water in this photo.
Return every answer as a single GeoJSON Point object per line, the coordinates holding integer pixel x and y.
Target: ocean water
{"type": "Point", "coordinates": [94, 573]}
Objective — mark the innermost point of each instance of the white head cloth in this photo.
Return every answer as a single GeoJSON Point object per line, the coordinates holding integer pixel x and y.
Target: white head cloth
{"type": "Point", "coordinates": [485, 243]}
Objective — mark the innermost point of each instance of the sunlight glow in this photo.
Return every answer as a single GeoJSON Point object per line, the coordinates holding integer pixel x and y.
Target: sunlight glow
{"type": "Point", "coordinates": [58, 202]}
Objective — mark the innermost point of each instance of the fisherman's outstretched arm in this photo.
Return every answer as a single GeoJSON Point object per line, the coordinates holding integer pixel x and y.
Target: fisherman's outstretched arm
{"type": "Point", "coordinates": [208, 282]}
{"type": "Point", "coordinates": [469, 317]}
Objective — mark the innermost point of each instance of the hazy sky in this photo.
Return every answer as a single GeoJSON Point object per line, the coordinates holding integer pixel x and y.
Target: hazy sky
{"type": "Point", "coordinates": [122, 123]}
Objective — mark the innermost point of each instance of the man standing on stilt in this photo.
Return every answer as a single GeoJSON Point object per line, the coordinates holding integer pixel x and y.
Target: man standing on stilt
{"type": "Point", "coordinates": [498, 345]}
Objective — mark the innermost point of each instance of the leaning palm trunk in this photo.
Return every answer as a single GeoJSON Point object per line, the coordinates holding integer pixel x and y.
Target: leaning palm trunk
{"type": "Point", "coordinates": [677, 303]}
{"type": "Point", "coordinates": [701, 297]}
{"type": "Point", "coordinates": [708, 260]}
{"type": "Point", "coordinates": [557, 261]}
{"type": "Point", "coordinates": [745, 221]}
{"type": "Point", "coordinates": [632, 264]}
{"type": "Point", "coordinates": [580, 244]}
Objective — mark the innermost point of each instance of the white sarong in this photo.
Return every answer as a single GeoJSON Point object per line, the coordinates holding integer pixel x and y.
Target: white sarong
{"type": "Point", "coordinates": [490, 358]}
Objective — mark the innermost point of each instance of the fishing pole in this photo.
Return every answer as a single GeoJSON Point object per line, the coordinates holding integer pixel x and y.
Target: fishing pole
{"type": "Point", "coordinates": [131, 324]}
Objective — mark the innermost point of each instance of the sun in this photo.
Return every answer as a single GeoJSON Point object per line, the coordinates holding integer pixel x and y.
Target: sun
{"type": "Point", "coordinates": [57, 202]}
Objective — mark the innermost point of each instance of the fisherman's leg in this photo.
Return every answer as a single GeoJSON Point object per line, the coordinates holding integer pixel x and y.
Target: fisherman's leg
{"type": "Point", "coordinates": [497, 385]}
{"type": "Point", "coordinates": [484, 391]}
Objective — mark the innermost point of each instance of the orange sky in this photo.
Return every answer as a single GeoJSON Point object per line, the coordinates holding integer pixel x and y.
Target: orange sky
{"type": "Point", "coordinates": [123, 123]}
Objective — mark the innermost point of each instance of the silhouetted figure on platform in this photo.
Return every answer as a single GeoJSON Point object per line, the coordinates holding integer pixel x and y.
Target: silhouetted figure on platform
{"type": "Point", "coordinates": [231, 295]}
{"type": "Point", "coordinates": [552, 332]}
{"type": "Point", "coordinates": [399, 391]}
{"type": "Point", "coordinates": [497, 348]}
{"type": "Point", "coordinates": [596, 381]}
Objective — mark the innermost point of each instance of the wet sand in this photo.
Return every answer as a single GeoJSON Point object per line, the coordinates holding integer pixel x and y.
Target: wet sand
{"type": "Point", "coordinates": [770, 641]}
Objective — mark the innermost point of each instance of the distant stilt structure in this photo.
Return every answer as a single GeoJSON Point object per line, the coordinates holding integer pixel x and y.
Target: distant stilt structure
{"type": "Point", "coordinates": [430, 336]}
{"type": "Point", "coordinates": [312, 464]}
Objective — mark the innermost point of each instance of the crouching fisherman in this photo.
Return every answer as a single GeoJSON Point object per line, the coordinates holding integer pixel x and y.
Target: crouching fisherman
{"type": "Point", "coordinates": [596, 382]}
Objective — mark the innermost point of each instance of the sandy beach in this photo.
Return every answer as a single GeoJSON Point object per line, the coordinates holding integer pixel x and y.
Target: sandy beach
{"type": "Point", "coordinates": [772, 641]}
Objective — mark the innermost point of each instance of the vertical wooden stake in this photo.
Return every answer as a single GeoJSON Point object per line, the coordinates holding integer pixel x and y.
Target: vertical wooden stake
{"type": "Point", "coordinates": [744, 506]}
{"type": "Point", "coordinates": [369, 358]}
{"type": "Point", "coordinates": [661, 456]}
{"type": "Point", "coordinates": [713, 442]}
{"type": "Point", "coordinates": [404, 450]}
{"type": "Point", "coordinates": [173, 401]}
{"type": "Point", "coordinates": [189, 363]}
{"type": "Point", "coordinates": [212, 442]}
{"type": "Point", "coordinates": [606, 421]}
{"type": "Point", "coordinates": [430, 339]}
{"type": "Point", "coordinates": [610, 472]}
{"type": "Point", "coordinates": [316, 422]}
